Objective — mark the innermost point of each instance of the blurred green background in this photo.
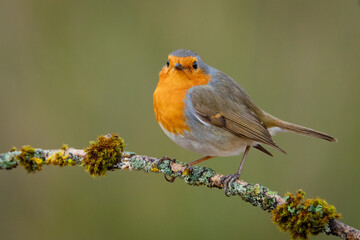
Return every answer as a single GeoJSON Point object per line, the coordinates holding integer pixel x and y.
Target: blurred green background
{"type": "Point", "coordinates": [72, 70]}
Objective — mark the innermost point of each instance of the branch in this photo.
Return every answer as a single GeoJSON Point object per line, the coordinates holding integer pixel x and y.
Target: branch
{"type": "Point", "coordinates": [256, 194]}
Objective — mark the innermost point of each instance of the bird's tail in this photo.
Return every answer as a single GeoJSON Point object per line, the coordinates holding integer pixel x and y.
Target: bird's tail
{"type": "Point", "coordinates": [273, 122]}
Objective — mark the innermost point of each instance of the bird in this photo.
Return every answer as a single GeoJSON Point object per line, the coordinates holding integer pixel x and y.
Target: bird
{"type": "Point", "coordinates": [205, 111]}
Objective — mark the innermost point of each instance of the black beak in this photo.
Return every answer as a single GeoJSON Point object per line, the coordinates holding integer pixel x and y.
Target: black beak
{"type": "Point", "coordinates": [178, 66]}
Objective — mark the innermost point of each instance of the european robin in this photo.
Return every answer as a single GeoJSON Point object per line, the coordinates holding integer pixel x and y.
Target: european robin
{"type": "Point", "coordinates": [204, 110]}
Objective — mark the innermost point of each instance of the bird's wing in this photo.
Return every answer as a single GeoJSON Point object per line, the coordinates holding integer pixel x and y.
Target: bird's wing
{"type": "Point", "coordinates": [222, 111]}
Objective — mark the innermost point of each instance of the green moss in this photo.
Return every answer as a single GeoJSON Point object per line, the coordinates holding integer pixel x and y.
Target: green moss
{"type": "Point", "coordinates": [30, 159]}
{"type": "Point", "coordinates": [103, 154]}
{"type": "Point", "coordinates": [301, 218]}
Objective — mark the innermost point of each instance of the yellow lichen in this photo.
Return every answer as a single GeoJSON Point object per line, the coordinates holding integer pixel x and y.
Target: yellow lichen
{"type": "Point", "coordinates": [186, 172]}
{"type": "Point", "coordinates": [28, 160]}
{"type": "Point", "coordinates": [302, 218]}
{"type": "Point", "coordinates": [38, 161]}
{"type": "Point", "coordinates": [65, 147]}
{"type": "Point", "coordinates": [13, 149]}
{"type": "Point", "coordinates": [59, 159]}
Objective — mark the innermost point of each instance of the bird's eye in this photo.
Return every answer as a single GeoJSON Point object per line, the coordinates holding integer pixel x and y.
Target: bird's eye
{"type": "Point", "coordinates": [195, 65]}
{"type": "Point", "coordinates": [167, 63]}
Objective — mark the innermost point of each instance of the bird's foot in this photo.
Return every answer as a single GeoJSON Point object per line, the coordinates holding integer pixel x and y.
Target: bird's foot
{"type": "Point", "coordinates": [159, 161]}
{"type": "Point", "coordinates": [228, 180]}
{"type": "Point", "coordinates": [171, 180]}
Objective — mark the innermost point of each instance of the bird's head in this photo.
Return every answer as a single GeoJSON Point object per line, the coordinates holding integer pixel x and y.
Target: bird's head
{"type": "Point", "coordinates": [185, 67]}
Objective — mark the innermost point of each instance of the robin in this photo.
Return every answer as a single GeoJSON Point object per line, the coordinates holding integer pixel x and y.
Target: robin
{"type": "Point", "coordinates": [204, 110]}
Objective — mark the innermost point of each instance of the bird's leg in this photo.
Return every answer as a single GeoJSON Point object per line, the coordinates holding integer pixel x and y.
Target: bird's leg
{"type": "Point", "coordinates": [199, 160]}
{"type": "Point", "coordinates": [189, 165]}
{"type": "Point", "coordinates": [227, 180]}
{"type": "Point", "coordinates": [160, 160]}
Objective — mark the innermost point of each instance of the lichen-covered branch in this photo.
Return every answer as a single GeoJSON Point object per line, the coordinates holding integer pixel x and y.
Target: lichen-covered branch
{"type": "Point", "coordinates": [291, 213]}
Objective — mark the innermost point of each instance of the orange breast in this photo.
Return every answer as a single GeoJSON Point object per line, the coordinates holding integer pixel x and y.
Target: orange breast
{"type": "Point", "coordinates": [169, 96]}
